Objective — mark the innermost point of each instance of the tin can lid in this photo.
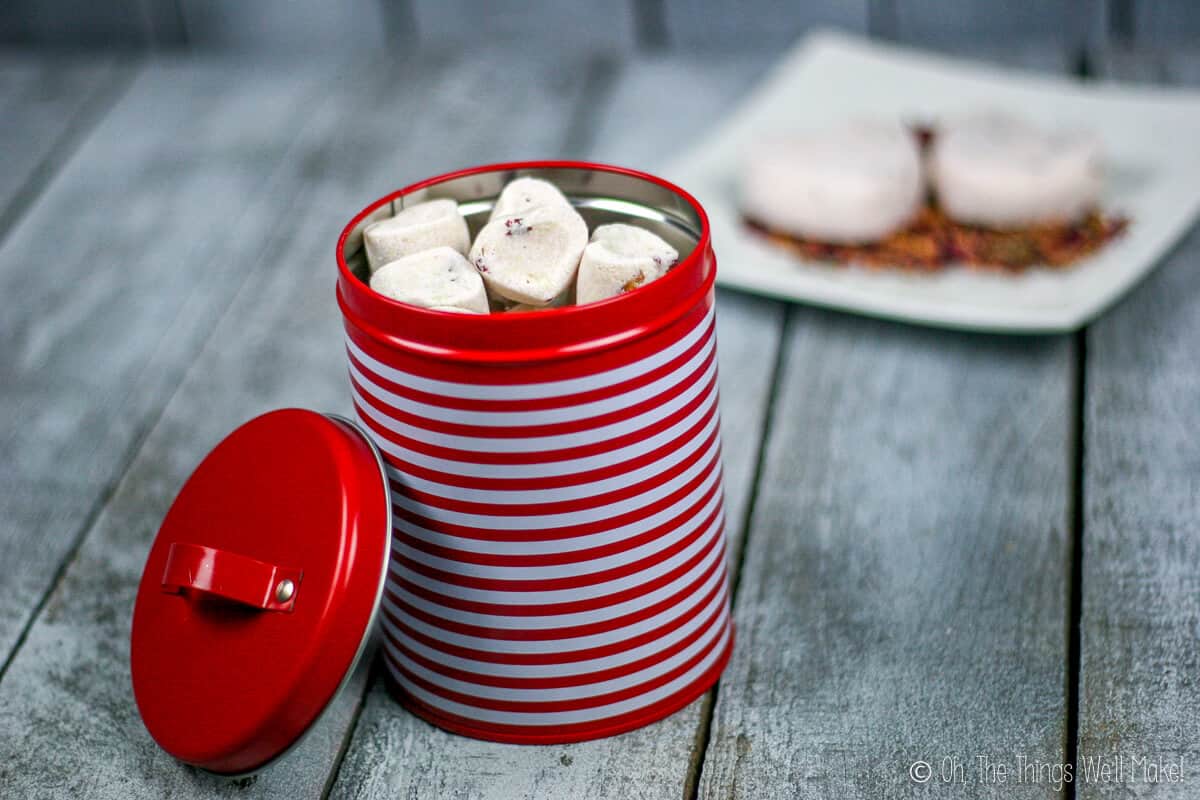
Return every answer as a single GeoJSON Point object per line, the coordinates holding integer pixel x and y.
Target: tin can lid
{"type": "Point", "coordinates": [260, 592]}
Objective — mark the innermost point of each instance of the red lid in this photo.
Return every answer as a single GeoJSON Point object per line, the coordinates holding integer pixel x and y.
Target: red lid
{"type": "Point", "coordinates": [260, 591]}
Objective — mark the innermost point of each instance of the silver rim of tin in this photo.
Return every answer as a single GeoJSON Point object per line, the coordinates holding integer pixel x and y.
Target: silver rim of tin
{"type": "Point", "coordinates": [601, 196]}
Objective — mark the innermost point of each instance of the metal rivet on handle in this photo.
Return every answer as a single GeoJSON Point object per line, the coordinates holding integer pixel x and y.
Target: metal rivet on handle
{"type": "Point", "coordinates": [285, 590]}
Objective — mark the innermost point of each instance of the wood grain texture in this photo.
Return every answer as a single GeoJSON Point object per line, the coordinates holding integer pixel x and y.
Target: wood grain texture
{"type": "Point", "coordinates": [70, 727]}
{"type": "Point", "coordinates": [115, 275]}
{"type": "Point", "coordinates": [928, 21]}
{"type": "Point", "coordinates": [1166, 23]}
{"type": "Point", "coordinates": [904, 594]}
{"type": "Point", "coordinates": [769, 25]}
{"type": "Point", "coordinates": [1139, 696]}
{"type": "Point", "coordinates": [393, 754]}
{"type": "Point", "coordinates": [905, 588]}
{"type": "Point", "coordinates": [1128, 64]}
{"type": "Point", "coordinates": [48, 105]}
{"type": "Point", "coordinates": [1038, 54]}
{"type": "Point", "coordinates": [305, 27]}
{"type": "Point", "coordinates": [118, 23]}
{"type": "Point", "coordinates": [534, 23]}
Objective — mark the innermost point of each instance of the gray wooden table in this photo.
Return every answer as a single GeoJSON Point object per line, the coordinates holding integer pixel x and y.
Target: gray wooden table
{"type": "Point", "coordinates": [946, 547]}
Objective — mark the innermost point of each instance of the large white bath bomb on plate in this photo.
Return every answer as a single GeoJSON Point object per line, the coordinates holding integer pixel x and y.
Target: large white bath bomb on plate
{"type": "Point", "coordinates": [998, 171]}
{"type": "Point", "coordinates": [853, 184]}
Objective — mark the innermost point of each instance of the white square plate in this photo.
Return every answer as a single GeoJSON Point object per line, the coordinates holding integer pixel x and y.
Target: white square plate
{"type": "Point", "coordinates": [1152, 149]}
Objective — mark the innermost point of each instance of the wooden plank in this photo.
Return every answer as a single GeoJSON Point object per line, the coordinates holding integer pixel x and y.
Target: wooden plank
{"type": "Point", "coordinates": [119, 271]}
{"type": "Point", "coordinates": [763, 25]}
{"type": "Point", "coordinates": [48, 105]}
{"type": "Point", "coordinates": [1141, 498]}
{"type": "Point", "coordinates": [905, 590]}
{"type": "Point", "coordinates": [904, 595]}
{"type": "Point", "coordinates": [1129, 64]}
{"type": "Point", "coordinates": [1039, 55]}
{"type": "Point", "coordinates": [1165, 23]}
{"type": "Point", "coordinates": [929, 21]}
{"type": "Point", "coordinates": [393, 754]}
{"type": "Point", "coordinates": [68, 724]}
{"type": "Point", "coordinates": [64, 23]}
{"type": "Point", "coordinates": [534, 23]}
{"type": "Point", "coordinates": [311, 27]}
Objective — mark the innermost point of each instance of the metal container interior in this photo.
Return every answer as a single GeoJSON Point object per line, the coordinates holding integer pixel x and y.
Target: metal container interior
{"type": "Point", "coordinates": [601, 198]}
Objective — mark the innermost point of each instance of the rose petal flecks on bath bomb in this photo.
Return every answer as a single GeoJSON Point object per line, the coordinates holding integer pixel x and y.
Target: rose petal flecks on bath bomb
{"type": "Point", "coordinates": [531, 257]}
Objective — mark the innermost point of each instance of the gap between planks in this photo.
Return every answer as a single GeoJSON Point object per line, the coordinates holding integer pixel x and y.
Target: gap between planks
{"type": "Point", "coordinates": [1075, 573]}
{"type": "Point", "coordinates": [691, 789]}
{"type": "Point", "coordinates": [122, 72]}
{"type": "Point", "coordinates": [54, 162]}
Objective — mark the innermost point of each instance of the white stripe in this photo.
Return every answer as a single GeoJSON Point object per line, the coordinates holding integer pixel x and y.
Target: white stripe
{"type": "Point", "coordinates": [561, 693]}
{"type": "Point", "coordinates": [565, 519]}
{"type": "Point", "coordinates": [590, 665]}
{"type": "Point", "coordinates": [588, 592]}
{"type": "Point", "coordinates": [551, 571]}
{"type": "Point", "coordinates": [564, 645]}
{"type": "Point", "coordinates": [487, 715]}
{"type": "Point", "coordinates": [526, 391]}
{"type": "Point", "coordinates": [705, 385]}
{"type": "Point", "coordinates": [545, 416]}
{"type": "Point", "coordinates": [549, 468]}
{"type": "Point", "coordinates": [574, 491]}
{"type": "Point", "coordinates": [570, 543]}
{"type": "Point", "coordinates": [556, 621]}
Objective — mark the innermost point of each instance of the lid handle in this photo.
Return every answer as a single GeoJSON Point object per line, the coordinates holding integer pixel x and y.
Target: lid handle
{"type": "Point", "coordinates": [233, 576]}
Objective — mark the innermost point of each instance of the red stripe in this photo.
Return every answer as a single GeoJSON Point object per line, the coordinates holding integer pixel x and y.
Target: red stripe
{"type": "Point", "coordinates": [531, 431]}
{"type": "Point", "coordinates": [559, 733]}
{"type": "Point", "coordinates": [564, 680]}
{"type": "Point", "coordinates": [567, 631]}
{"type": "Point", "coordinates": [551, 481]}
{"type": "Point", "coordinates": [561, 506]}
{"type": "Point", "coordinates": [540, 456]}
{"type": "Point", "coordinates": [568, 531]}
{"type": "Point", "coordinates": [538, 403]}
{"type": "Point", "coordinates": [543, 706]}
{"type": "Point", "coordinates": [552, 558]}
{"type": "Point", "coordinates": [578, 580]}
{"type": "Point", "coordinates": [391, 621]}
{"type": "Point", "coordinates": [544, 609]}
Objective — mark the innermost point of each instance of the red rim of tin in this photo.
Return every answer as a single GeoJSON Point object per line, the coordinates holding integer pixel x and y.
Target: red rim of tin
{"type": "Point", "coordinates": [228, 674]}
{"type": "Point", "coordinates": [546, 334]}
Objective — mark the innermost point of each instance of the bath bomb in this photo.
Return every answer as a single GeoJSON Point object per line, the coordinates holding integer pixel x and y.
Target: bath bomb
{"type": "Point", "coordinates": [531, 256]}
{"type": "Point", "coordinates": [440, 278]}
{"type": "Point", "coordinates": [999, 171]}
{"type": "Point", "coordinates": [853, 184]}
{"type": "Point", "coordinates": [526, 193]}
{"type": "Point", "coordinates": [620, 258]}
{"type": "Point", "coordinates": [435, 223]}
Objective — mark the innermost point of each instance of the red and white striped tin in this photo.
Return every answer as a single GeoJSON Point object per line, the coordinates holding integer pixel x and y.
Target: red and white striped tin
{"type": "Point", "coordinates": [558, 567]}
